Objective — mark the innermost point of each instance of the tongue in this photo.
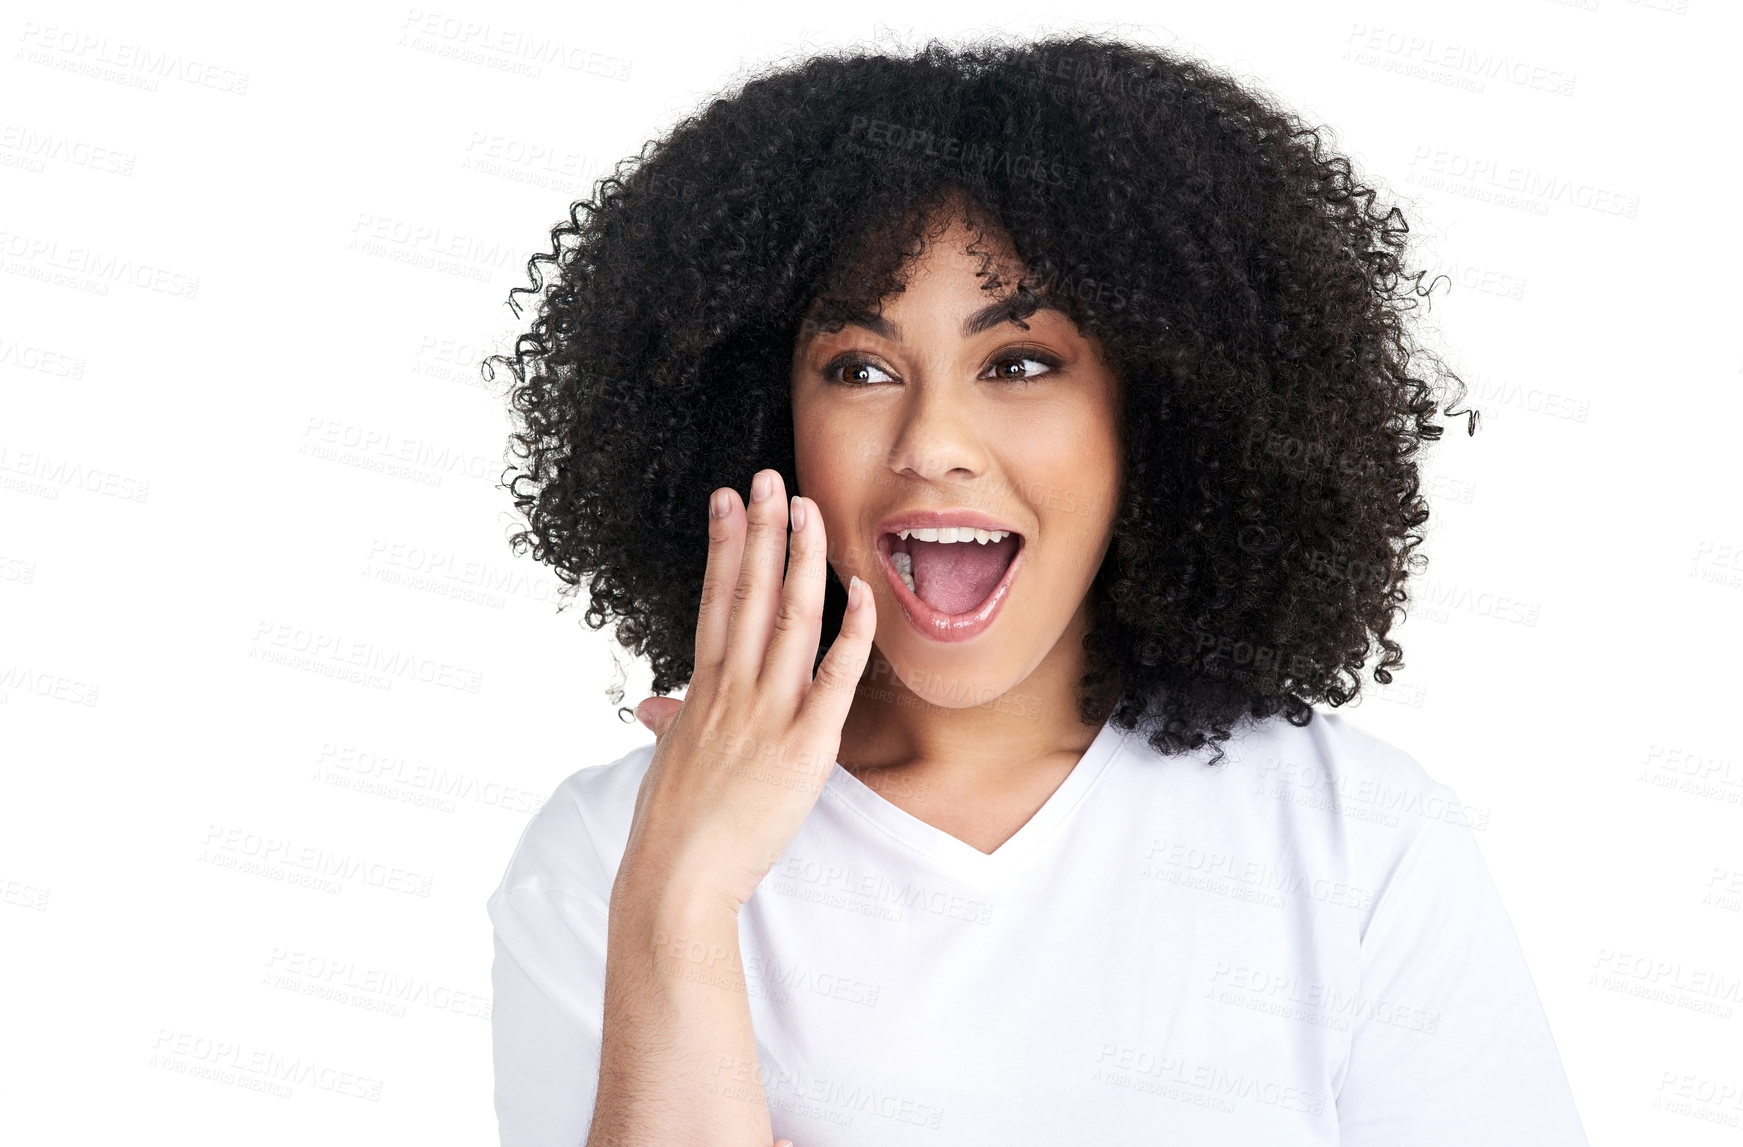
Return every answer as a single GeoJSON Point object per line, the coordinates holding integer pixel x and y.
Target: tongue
{"type": "Point", "coordinates": [954, 577]}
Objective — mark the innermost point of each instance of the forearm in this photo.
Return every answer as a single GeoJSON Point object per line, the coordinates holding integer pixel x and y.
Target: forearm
{"type": "Point", "coordinates": [678, 1055]}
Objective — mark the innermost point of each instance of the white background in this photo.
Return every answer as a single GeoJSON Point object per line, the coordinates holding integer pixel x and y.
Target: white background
{"type": "Point", "coordinates": [249, 262]}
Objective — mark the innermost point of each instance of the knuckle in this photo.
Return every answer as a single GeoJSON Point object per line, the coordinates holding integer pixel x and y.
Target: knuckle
{"type": "Point", "coordinates": [791, 615]}
{"type": "Point", "coordinates": [712, 592]}
{"type": "Point", "coordinates": [809, 564]}
{"type": "Point", "coordinates": [828, 675]}
{"type": "Point", "coordinates": [710, 730]}
{"type": "Point", "coordinates": [719, 695]}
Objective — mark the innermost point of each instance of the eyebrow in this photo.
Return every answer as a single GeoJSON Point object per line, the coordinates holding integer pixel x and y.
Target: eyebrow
{"type": "Point", "coordinates": [988, 317]}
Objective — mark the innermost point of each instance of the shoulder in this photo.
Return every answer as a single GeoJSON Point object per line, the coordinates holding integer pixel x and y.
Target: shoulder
{"type": "Point", "coordinates": [575, 842]}
{"type": "Point", "coordinates": [1333, 751]}
{"type": "Point", "coordinates": [1334, 764]}
{"type": "Point", "coordinates": [1357, 801]}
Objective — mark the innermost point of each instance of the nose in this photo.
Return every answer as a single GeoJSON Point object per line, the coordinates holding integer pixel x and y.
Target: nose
{"type": "Point", "coordinates": [937, 435]}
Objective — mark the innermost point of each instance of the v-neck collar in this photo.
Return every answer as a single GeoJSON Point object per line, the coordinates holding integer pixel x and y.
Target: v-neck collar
{"type": "Point", "coordinates": [957, 857]}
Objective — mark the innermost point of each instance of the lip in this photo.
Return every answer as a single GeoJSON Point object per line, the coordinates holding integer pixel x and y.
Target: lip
{"type": "Point", "coordinates": [934, 623]}
{"type": "Point", "coordinates": [937, 519]}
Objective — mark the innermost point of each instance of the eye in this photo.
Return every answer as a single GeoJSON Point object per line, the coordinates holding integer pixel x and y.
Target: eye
{"type": "Point", "coordinates": [854, 369]}
{"type": "Point", "coordinates": [1000, 366]}
{"type": "Point", "coordinates": [859, 370]}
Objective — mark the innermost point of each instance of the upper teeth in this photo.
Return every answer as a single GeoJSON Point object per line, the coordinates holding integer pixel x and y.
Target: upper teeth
{"type": "Point", "coordinates": [956, 534]}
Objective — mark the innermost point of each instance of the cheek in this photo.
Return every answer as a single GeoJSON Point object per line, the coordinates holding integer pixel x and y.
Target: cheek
{"type": "Point", "coordinates": [1077, 476]}
{"type": "Point", "coordinates": [828, 455]}
{"type": "Point", "coordinates": [830, 459]}
{"type": "Point", "coordinates": [1072, 487]}
{"type": "Point", "coordinates": [1101, 455]}
{"type": "Point", "coordinates": [825, 435]}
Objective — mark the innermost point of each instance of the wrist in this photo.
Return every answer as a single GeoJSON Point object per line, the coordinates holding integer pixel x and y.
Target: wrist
{"type": "Point", "coordinates": [684, 934]}
{"type": "Point", "coordinates": [659, 893]}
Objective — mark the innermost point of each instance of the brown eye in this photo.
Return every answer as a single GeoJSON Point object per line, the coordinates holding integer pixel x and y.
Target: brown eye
{"type": "Point", "coordinates": [1002, 368]}
{"type": "Point", "coordinates": [858, 372]}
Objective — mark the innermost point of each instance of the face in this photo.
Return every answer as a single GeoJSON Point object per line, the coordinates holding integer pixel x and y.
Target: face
{"type": "Point", "coordinates": [947, 414]}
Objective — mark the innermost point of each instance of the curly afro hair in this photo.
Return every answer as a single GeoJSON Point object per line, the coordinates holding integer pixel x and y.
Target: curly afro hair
{"type": "Point", "coordinates": [1249, 292]}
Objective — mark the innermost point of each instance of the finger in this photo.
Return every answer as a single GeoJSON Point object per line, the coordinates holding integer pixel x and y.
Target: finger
{"type": "Point", "coordinates": [757, 592]}
{"type": "Point", "coordinates": [725, 550]}
{"type": "Point", "coordinates": [799, 617]}
{"type": "Point", "coordinates": [824, 710]}
{"type": "Point", "coordinates": [658, 713]}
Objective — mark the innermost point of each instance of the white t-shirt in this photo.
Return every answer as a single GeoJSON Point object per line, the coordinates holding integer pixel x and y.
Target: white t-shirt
{"type": "Point", "coordinates": [1301, 945]}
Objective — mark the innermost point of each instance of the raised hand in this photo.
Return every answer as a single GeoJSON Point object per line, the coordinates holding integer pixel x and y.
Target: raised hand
{"type": "Point", "coordinates": [737, 767]}
{"type": "Point", "coordinates": [739, 763]}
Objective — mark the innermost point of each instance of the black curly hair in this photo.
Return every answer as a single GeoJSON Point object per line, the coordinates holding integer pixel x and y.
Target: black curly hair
{"type": "Point", "coordinates": [1249, 292]}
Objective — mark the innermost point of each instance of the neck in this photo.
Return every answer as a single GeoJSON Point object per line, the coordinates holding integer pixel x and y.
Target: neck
{"type": "Point", "coordinates": [1034, 723]}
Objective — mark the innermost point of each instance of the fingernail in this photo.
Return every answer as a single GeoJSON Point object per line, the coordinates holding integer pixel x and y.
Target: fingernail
{"type": "Point", "coordinates": [798, 512]}
{"type": "Point", "coordinates": [719, 505]}
{"type": "Point", "coordinates": [760, 486]}
{"type": "Point", "coordinates": [855, 593]}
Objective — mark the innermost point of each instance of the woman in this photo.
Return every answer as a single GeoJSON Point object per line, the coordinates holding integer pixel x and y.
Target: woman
{"type": "Point", "coordinates": [1073, 390]}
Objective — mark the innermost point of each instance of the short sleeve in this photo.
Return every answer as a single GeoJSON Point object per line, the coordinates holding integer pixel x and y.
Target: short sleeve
{"type": "Point", "coordinates": [548, 978]}
{"type": "Point", "coordinates": [1451, 1046]}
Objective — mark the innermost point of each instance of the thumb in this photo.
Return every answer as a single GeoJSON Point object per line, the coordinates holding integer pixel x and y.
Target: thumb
{"type": "Point", "coordinates": [658, 713]}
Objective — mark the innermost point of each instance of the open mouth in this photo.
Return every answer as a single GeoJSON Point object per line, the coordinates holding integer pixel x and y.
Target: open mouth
{"type": "Point", "coordinates": [950, 590]}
